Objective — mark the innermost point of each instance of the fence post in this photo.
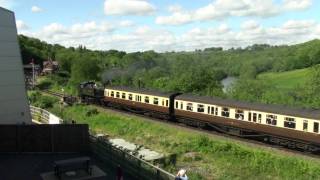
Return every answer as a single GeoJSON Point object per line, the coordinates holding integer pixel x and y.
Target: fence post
{"type": "Point", "coordinates": [158, 174]}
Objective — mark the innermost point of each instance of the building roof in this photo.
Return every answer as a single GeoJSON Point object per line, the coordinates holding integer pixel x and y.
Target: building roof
{"type": "Point", "coordinates": [276, 109]}
{"type": "Point", "coordinates": [140, 91]}
{"type": "Point", "coordinates": [1, 8]}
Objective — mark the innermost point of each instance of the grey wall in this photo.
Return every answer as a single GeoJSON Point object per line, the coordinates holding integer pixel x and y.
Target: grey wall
{"type": "Point", "coordinates": [14, 108]}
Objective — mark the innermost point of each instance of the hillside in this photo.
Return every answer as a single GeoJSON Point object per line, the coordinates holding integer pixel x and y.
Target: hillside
{"type": "Point", "coordinates": [199, 72]}
{"type": "Point", "coordinates": [287, 80]}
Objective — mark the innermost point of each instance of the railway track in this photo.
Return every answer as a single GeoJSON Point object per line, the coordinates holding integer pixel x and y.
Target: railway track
{"type": "Point", "coordinates": [56, 94]}
{"type": "Point", "coordinates": [247, 141]}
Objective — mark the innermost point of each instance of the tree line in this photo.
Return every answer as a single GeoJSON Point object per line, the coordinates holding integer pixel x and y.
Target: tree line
{"type": "Point", "coordinates": [198, 72]}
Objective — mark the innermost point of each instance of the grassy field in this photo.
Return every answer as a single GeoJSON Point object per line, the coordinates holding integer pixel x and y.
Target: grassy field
{"type": "Point", "coordinates": [203, 156]}
{"type": "Point", "coordinates": [286, 80]}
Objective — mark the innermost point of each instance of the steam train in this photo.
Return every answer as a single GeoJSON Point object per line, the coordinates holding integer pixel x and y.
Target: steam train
{"type": "Point", "coordinates": [291, 127]}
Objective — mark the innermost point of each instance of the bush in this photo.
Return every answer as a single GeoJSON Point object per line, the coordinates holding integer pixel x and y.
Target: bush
{"type": "Point", "coordinates": [91, 112]}
{"type": "Point", "coordinates": [41, 101]}
{"type": "Point", "coordinates": [45, 84]}
{"type": "Point", "coordinates": [45, 102]}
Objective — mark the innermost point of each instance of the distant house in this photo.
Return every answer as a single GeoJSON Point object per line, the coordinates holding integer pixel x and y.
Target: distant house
{"type": "Point", "coordinates": [50, 67]}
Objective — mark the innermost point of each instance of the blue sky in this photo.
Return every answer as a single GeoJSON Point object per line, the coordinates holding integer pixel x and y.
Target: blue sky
{"type": "Point", "coordinates": [167, 25]}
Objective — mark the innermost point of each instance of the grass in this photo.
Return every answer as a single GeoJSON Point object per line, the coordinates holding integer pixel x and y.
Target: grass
{"type": "Point", "coordinates": [286, 80]}
{"type": "Point", "coordinates": [203, 156]}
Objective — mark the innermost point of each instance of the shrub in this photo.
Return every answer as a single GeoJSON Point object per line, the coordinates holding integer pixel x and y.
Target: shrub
{"type": "Point", "coordinates": [91, 112]}
{"type": "Point", "coordinates": [45, 84]}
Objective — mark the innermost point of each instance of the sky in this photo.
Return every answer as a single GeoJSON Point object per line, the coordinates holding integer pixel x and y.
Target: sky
{"type": "Point", "coordinates": [167, 25]}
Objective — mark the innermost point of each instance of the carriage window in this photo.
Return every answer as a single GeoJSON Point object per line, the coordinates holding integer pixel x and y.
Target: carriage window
{"type": "Point", "coordinates": [130, 97]}
{"type": "Point", "coordinates": [162, 102]}
{"type": "Point", "coordinates": [249, 118]}
{"type": "Point", "coordinates": [225, 112]}
{"type": "Point", "coordinates": [216, 112]}
{"type": "Point", "coordinates": [212, 110]}
{"type": "Point", "coordinates": [146, 99]}
{"type": "Point", "coordinates": [208, 109]}
{"type": "Point", "coordinates": [289, 122]}
{"type": "Point", "coordinates": [189, 107]}
{"type": "Point", "coordinates": [259, 118]}
{"type": "Point", "coordinates": [239, 114]}
{"type": "Point", "coordinates": [316, 127]}
{"type": "Point", "coordinates": [112, 93]}
{"type": "Point", "coordinates": [138, 98]}
{"type": "Point", "coordinates": [181, 105]}
{"type": "Point", "coordinates": [305, 125]}
{"type": "Point", "coordinates": [177, 104]}
{"type": "Point", "coordinates": [254, 117]}
{"type": "Point", "coordinates": [123, 95]}
{"type": "Point", "coordinates": [167, 103]}
{"type": "Point", "coordinates": [200, 108]}
{"type": "Point", "coordinates": [271, 119]}
{"type": "Point", "coordinates": [156, 101]}
{"type": "Point", "coordinates": [118, 95]}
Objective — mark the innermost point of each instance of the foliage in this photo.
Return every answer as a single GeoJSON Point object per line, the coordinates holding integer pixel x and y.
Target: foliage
{"type": "Point", "coordinates": [199, 72]}
{"type": "Point", "coordinates": [41, 101]}
{"type": "Point", "coordinates": [45, 84]}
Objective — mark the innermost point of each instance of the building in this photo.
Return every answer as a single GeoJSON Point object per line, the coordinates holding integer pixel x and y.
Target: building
{"type": "Point", "coordinates": [14, 108]}
{"type": "Point", "coordinates": [50, 67]}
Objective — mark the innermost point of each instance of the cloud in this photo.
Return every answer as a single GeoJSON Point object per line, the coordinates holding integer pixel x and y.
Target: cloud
{"type": "Point", "coordinates": [79, 33]}
{"type": "Point", "coordinates": [22, 27]}
{"type": "Point", "coordinates": [36, 9]}
{"type": "Point", "coordinates": [175, 8]}
{"type": "Point", "coordinates": [126, 23]}
{"type": "Point", "coordinates": [221, 9]}
{"type": "Point", "coordinates": [297, 4]}
{"type": "Point", "coordinates": [7, 3]}
{"type": "Point", "coordinates": [104, 36]}
{"type": "Point", "coordinates": [176, 18]}
{"type": "Point", "coordinates": [249, 25]}
{"type": "Point", "coordinates": [294, 24]}
{"type": "Point", "coordinates": [128, 7]}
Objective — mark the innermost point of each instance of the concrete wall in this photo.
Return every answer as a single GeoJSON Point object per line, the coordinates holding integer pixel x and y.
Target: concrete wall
{"type": "Point", "coordinates": [14, 108]}
{"type": "Point", "coordinates": [44, 138]}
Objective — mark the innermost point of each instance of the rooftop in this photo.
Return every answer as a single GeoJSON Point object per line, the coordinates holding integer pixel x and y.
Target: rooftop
{"type": "Point", "coordinates": [271, 108]}
{"type": "Point", "coordinates": [140, 91]}
{"type": "Point", "coordinates": [40, 166]}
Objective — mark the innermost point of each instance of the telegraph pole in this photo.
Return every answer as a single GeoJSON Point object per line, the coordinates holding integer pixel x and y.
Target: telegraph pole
{"type": "Point", "coordinates": [33, 74]}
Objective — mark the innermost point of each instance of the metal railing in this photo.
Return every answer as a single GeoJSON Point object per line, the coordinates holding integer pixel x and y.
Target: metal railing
{"type": "Point", "coordinates": [40, 115]}
{"type": "Point", "coordinates": [137, 167]}
{"type": "Point", "coordinates": [43, 116]}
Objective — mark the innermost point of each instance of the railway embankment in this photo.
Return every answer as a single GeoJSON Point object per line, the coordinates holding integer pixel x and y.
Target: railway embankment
{"type": "Point", "coordinates": [203, 156]}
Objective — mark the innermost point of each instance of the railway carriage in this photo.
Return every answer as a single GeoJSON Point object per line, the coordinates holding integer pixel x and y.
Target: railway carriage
{"type": "Point", "coordinates": [143, 101]}
{"type": "Point", "coordinates": [296, 128]}
{"type": "Point", "coordinates": [291, 127]}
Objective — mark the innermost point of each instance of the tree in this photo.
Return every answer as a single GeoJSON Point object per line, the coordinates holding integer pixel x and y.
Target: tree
{"type": "Point", "coordinates": [85, 69]}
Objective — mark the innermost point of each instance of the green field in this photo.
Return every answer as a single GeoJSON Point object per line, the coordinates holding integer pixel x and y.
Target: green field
{"type": "Point", "coordinates": [286, 80]}
{"type": "Point", "coordinates": [204, 156]}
